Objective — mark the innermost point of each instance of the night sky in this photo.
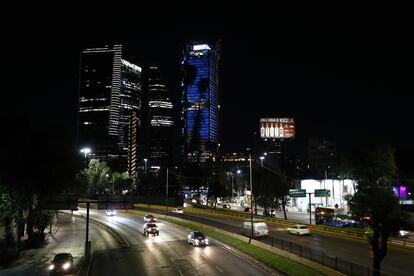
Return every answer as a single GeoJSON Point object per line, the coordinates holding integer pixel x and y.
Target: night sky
{"type": "Point", "coordinates": [344, 74]}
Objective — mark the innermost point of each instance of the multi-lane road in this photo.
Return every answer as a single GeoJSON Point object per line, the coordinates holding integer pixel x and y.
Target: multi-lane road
{"type": "Point", "coordinates": [397, 261]}
{"type": "Point", "coordinates": [166, 254]}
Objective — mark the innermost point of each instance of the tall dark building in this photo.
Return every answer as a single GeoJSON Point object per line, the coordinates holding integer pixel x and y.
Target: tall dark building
{"type": "Point", "coordinates": [200, 102]}
{"type": "Point", "coordinates": [109, 91]}
{"type": "Point", "coordinates": [161, 123]}
{"type": "Point", "coordinates": [322, 158]}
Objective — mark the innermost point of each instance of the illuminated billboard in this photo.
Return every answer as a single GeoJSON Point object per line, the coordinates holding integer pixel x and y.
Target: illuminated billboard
{"type": "Point", "coordinates": [277, 128]}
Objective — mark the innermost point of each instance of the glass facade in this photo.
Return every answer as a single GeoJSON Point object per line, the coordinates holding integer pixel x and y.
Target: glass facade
{"type": "Point", "coordinates": [109, 91]}
{"type": "Point", "coordinates": [200, 102]}
{"type": "Point", "coordinates": [131, 103]}
{"type": "Point", "coordinates": [161, 123]}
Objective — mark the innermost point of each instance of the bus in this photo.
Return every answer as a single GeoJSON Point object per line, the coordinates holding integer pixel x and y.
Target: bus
{"type": "Point", "coordinates": [324, 215]}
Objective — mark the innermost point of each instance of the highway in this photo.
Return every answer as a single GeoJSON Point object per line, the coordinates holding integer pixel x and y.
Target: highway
{"type": "Point", "coordinates": [166, 254]}
{"type": "Point", "coordinates": [397, 262]}
{"type": "Point", "coordinates": [70, 237]}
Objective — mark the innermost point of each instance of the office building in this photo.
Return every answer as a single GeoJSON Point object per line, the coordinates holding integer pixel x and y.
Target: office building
{"type": "Point", "coordinates": [200, 112]}
{"type": "Point", "coordinates": [161, 123]}
{"type": "Point", "coordinates": [109, 92]}
{"type": "Point", "coordinates": [322, 159]}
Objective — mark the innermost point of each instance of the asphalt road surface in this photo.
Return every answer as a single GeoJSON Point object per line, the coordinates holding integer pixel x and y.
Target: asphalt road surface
{"type": "Point", "coordinates": [70, 237]}
{"type": "Point", "coordinates": [166, 254]}
{"type": "Point", "coordinates": [397, 262]}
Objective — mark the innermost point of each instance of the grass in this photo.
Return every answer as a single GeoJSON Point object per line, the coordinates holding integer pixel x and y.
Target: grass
{"type": "Point", "coordinates": [265, 256]}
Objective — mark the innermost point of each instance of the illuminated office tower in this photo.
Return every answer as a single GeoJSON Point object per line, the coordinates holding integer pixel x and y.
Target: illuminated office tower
{"type": "Point", "coordinates": [200, 87]}
{"type": "Point", "coordinates": [161, 123]}
{"type": "Point", "coordinates": [109, 91]}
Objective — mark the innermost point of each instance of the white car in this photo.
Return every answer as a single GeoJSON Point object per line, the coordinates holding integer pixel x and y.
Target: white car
{"type": "Point", "coordinates": [299, 229]}
{"type": "Point", "coordinates": [110, 212]}
{"type": "Point", "coordinates": [178, 211]}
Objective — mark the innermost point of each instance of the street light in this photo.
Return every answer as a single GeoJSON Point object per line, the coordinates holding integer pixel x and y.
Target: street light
{"type": "Point", "coordinates": [261, 160]}
{"type": "Point", "coordinates": [145, 161]}
{"type": "Point", "coordinates": [251, 196]}
{"type": "Point", "coordinates": [85, 151]}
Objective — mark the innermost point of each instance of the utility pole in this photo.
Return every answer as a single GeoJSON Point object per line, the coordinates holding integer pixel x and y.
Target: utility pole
{"type": "Point", "coordinates": [310, 209]}
{"type": "Point", "coordinates": [251, 197]}
{"type": "Point", "coordinates": [166, 196]}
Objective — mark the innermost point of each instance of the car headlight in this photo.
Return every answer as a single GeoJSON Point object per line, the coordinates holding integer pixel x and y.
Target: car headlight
{"type": "Point", "coordinates": [206, 241]}
{"type": "Point", "coordinates": [66, 265]}
{"type": "Point", "coordinates": [196, 241]}
{"type": "Point", "coordinates": [157, 228]}
{"type": "Point", "coordinates": [51, 267]}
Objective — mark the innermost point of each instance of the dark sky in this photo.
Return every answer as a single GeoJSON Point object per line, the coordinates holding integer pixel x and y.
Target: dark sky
{"type": "Point", "coordinates": [344, 73]}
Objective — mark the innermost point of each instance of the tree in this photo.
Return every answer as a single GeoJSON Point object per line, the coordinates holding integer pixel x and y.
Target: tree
{"type": "Point", "coordinates": [373, 167]}
{"type": "Point", "coordinates": [96, 176]}
{"type": "Point", "coordinates": [216, 189]}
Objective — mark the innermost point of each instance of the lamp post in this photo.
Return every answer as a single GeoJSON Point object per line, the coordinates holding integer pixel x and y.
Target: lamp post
{"type": "Point", "coordinates": [145, 163]}
{"type": "Point", "coordinates": [85, 151]}
{"type": "Point", "coordinates": [166, 196]}
{"type": "Point", "coordinates": [251, 197]}
{"type": "Point", "coordinates": [238, 173]}
{"type": "Point", "coordinates": [261, 160]}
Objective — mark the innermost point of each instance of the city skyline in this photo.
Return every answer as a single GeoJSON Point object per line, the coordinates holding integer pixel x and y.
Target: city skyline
{"type": "Point", "coordinates": [290, 74]}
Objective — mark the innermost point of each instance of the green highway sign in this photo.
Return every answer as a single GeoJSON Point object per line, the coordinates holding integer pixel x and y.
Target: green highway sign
{"type": "Point", "coordinates": [297, 192]}
{"type": "Point", "coordinates": [322, 193]}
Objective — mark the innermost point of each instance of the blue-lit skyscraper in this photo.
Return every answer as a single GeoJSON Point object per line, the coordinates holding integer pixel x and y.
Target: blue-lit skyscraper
{"type": "Point", "coordinates": [200, 102]}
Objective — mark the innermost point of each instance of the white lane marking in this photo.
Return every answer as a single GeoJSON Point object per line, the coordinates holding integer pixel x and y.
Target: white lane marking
{"type": "Point", "coordinates": [172, 260]}
{"type": "Point", "coordinates": [219, 269]}
{"type": "Point", "coordinates": [181, 273]}
{"type": "Point", "coordinates": [204, 256]}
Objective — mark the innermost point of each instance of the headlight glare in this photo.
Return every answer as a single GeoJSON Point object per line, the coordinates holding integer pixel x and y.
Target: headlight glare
{"type": "Point", "coordinates": [66, 265]}
{"type": "Point", "coordinates": [51, 267]}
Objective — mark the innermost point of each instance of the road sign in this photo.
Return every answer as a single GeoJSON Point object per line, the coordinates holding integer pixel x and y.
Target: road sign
{"type": "Point", "coordinates": [58, 202]}
{"type": "Point", "coordinates": [116, 202]}
{"type": "Point", "coordinates": [322, 193]}
{"type": "Point", "coordinates": [297, 192]}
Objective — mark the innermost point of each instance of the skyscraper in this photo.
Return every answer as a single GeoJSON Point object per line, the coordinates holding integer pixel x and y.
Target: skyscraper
{"type": "Point", "coordinates": [200, 102]}
{"type": "Point", "coordinates": [109, 91]}
{"type": "Point", "coordinates": [161, 123]}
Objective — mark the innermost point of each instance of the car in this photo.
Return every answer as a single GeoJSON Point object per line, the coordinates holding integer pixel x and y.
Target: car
{"type": "Point", "coordinates": [197, 238]}
{"type": "Point", "coordinates": [149, 218]}
{"type": "Point", "coordinates": [299, 229]}
{"type": "Point", "coordinates": [259, 228]}
{"type": "Point", "coordinates": [110, 212]}
{"type": "Point", "coordinates": [247, 210]}
{"type": "Point", "coordinates": [269, 213]}
{"type": "Point", "coordinates": [151, 228]}
{"type": "Point", "coordinates": [178, 211]}
{"type": "Point", "coordinates": [62, 263]}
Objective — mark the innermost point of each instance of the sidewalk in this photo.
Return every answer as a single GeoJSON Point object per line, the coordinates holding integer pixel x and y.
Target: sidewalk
{"type": "Point", "coordinates": [68, 238]}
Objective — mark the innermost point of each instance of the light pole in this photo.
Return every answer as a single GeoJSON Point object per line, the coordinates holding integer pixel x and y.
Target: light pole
{"type": "Point", "coordinates": [251, 197]}
{"type": "Point", "coordinates": [261, 160]}
{"type": "Point", "coordinates": [85, 151]}
{"type": "Point", "coordinates": [166, 196]}
{"type": "Point", "coordinates": [145, 162]}
{"type": "Point", "coordinates": [238, 189]}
